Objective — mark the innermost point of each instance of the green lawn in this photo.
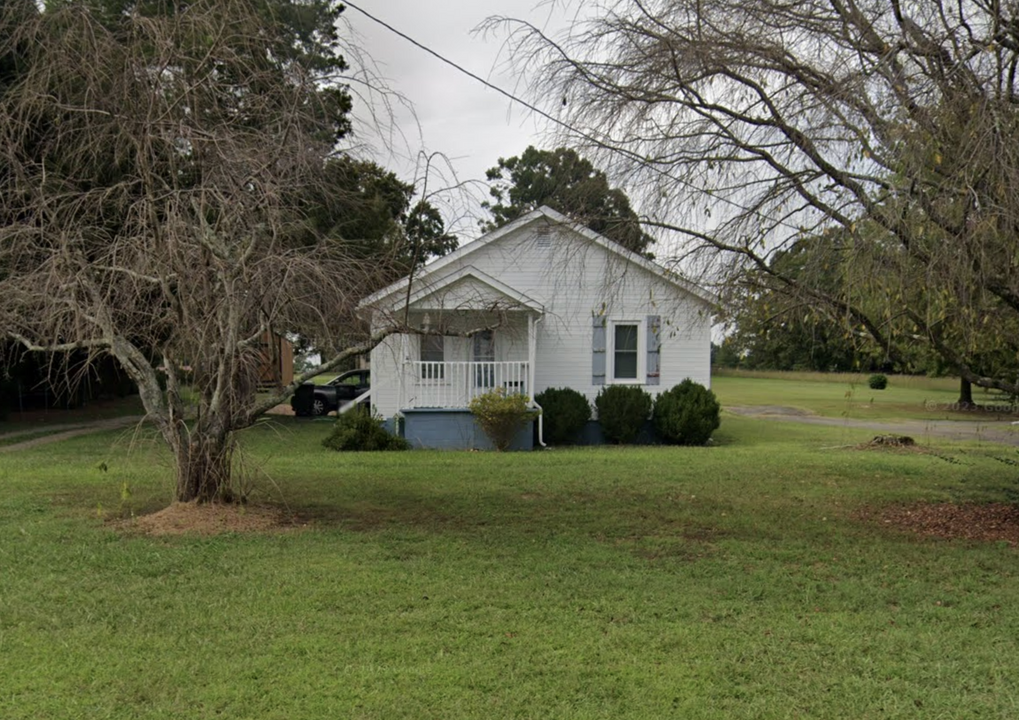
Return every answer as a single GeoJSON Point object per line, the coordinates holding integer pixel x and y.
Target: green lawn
{"type": "Point", "coordinates": [734, 581]}
{"type": "Point", "coordinates": [847, 395]}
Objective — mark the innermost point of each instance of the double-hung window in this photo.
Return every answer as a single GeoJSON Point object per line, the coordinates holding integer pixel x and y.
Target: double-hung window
{"type": "Point", "coordinates": [626, 350]}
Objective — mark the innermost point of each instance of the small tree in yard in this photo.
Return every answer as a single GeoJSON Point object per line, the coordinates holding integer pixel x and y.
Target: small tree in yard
{"type": "Point", "coordinates": [501, 415]}
{"type": "Point", "coordinates": [154, 166]}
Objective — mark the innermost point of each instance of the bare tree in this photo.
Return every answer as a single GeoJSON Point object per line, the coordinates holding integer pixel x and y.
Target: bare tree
{"type": "Point", "coordinates": [883, 134]}
{"type": "Point", "coordinates": [152, 171]}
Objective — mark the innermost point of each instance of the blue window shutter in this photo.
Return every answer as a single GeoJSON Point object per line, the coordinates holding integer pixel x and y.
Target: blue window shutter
{"type": "Point", "coordinates": [654, 354]}
{"type": "Point", "coordinates": [598, 350]}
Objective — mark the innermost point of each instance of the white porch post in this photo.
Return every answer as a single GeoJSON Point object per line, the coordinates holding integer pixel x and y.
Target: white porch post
{"type": "Point", "coordinates": [532, 337]}
{"type": "Point", "coordinates": [404, 363]}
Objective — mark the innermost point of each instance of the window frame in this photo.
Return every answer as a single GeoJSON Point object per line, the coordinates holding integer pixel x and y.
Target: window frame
{"type": "Point", "coordinates": [610, 352]}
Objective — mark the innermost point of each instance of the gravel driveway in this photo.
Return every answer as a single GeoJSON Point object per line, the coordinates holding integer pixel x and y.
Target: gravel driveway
{"type": "Point", "coordinates": [998, 431]}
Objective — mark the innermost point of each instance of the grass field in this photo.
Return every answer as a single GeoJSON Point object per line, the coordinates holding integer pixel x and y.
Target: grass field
{"type": "Point", "coordinates": [847, 395]}
{"type": "Point", "coordinates": [736, 581]}
{"type": "Point", "coordinates": [910, 381]}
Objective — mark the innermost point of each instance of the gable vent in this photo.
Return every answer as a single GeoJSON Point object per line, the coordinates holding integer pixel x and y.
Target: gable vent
{"type": "Point", "coordinates": [543, 237]}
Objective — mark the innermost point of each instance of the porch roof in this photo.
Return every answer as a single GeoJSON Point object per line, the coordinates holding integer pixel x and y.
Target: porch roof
{"type": "Point", "coordinates": [469, 288]}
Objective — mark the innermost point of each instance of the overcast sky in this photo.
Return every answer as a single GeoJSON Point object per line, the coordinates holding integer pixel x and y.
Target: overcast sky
{"type": "Point", "coordinates": [472, 125]}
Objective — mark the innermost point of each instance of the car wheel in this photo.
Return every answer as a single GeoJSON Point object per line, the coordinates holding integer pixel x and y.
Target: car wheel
{"type": "Point", "coordinates": [318, 407]}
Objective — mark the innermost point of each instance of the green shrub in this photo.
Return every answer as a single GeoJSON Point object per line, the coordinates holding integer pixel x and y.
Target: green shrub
{"type": "Point", "coordinates": [877, 382]}
{"type": "Point", "coordinates": [622, 412]}
{"type": "Point", "coordinates": [359, 430]}
{"type": "Point", "coordinates": [565, 412]}
{"type": "Point", "coordinates": [501, 415]}
{"type": "Point", "coordinates": [687, 414]}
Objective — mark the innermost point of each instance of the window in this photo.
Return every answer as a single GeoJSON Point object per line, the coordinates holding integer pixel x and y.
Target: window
{"type": "Point", "coordinates": [625, 352]}
{"type": "Point", "coordinates": [433, 357]}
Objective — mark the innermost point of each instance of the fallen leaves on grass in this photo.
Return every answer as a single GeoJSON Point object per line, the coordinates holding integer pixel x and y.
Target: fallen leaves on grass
{"type": "Point", "coordinates": [212, 519]}
{"type": "Point", "coordinates": [991, 522]}
{"type": "Point", "coordinates": [893, 443]}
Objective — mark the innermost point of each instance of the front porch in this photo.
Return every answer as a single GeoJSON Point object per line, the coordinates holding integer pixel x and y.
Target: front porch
{"type": "Point", "coordinates": [461, 355]}
{"type": "Point", "coordinates": [440, 374]}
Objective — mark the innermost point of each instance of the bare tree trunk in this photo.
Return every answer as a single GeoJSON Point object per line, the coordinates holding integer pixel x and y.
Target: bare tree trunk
{"type": "Point", "coordinates": [202, 448]}
{"type": "Point", "coordinates": [204, 464]}
{"type": "Point", "coordinates": [965, 394]}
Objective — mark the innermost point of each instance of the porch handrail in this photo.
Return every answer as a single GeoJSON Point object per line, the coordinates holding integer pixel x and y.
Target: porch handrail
{"type": "Point", "coordinates": [353, 403]}
{"type": "Point", "coordinates": [454, 384]}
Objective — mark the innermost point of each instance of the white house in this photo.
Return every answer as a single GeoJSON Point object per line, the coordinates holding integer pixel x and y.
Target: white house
{"type": "Point", "coordinates": [541, 302]}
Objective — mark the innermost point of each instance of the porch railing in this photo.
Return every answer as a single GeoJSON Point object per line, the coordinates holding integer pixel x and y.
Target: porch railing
{"type": "Point", "coordinates": [455, 384]}
{"type": "Point", "coordinates": [351, 404]}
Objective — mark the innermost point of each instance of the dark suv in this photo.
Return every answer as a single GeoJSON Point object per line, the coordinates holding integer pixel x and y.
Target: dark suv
{"type": "Point", "coordinates": [311, 399]}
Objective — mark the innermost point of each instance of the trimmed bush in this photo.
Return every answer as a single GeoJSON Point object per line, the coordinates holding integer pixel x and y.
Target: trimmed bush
{"type": "Point", "coordinates": [565, 412]}
{"type": "Point", "coordinates": [687, 414]}
{"type": "Point", "coordinates": [501, 415]}
{"type": "Point", "coordinates": [877, 382]}
{"type": "Point", "coordinates": [359, 430]}
{"type": "Point", "coordinates": [622, 412]}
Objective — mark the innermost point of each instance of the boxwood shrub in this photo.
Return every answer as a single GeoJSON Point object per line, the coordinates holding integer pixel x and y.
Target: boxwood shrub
{"type": "Point", "coordinates": [359, 430]}
{"type": "Point", "coordinates": [564, 412]}
{"type": "Point", "coordinates": [877, 382]}
{"type": "Point", "coordinates": [622, 412]}
{"type": "Point", "coordinates": [687, 414]}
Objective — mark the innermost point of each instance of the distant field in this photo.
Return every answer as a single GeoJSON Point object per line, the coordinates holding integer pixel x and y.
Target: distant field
{"type": "Point", "coordinates": [848, 395]}
{"type": "Point", "coordinates": [909, 381]}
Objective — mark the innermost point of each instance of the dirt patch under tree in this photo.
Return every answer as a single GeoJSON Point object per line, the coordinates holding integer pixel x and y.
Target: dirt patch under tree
{"type": "Point", "coordinates": [212, 519]}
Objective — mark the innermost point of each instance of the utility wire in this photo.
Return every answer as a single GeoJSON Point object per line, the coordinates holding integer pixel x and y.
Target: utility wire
{"type": "Point", "coordinates": [562, 123]}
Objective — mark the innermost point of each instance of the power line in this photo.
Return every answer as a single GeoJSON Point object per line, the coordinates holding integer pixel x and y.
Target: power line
{"type": "Point", "coordinates": [562, 123]}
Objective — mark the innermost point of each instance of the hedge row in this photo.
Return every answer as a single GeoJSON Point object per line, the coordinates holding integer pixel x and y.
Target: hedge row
{"type": "Point", "coordinates": [687, 414]}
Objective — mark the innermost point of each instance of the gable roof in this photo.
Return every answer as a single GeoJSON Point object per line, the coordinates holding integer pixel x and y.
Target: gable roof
{"type": "Point", "coordinates": [479, 278]}
{"type": "Point", "coordinates": [550, 215]}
